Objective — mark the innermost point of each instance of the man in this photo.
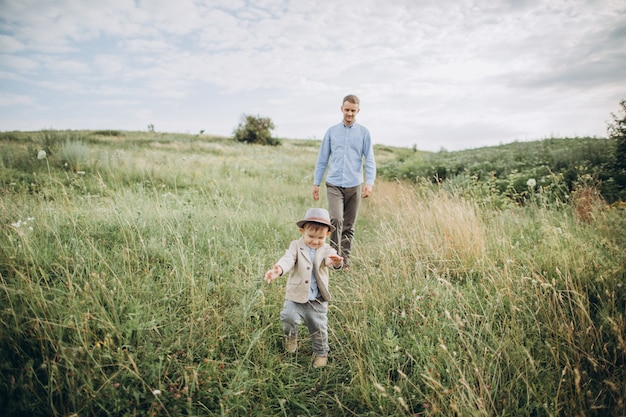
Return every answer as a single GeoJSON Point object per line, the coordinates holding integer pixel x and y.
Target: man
{"type": "Point", "coordinates": [345, 149]}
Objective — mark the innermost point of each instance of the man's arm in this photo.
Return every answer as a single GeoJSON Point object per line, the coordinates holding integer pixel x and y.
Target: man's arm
{"type": "Point", "coordinates": [320, 166]}
{"type": "Point", "coordinates": [370, 166]}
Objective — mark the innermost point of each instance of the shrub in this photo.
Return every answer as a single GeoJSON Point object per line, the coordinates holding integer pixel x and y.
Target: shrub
{"type": "Point", "coordinates": [108, 133]}
{"type": "Point", "coordinates": [255, 129]}
{"type": "Point", "coordinates": [617, 134]}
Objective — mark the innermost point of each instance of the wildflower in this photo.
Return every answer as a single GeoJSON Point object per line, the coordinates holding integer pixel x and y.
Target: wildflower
{"type": "Point", "coordinates": [41, 154]}
{"type": "Point", "coordinates": [531, 182]}
{"type": "Point", "coordinates": [23, 223]}
{"type": "Point", "coordinates": [156, 392]}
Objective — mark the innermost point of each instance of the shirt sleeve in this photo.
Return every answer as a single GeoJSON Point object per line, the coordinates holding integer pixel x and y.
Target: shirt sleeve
{"type": "Point", "coordinates": [322, 160]}
{"type": "Point", "coordinates": [370, 161]}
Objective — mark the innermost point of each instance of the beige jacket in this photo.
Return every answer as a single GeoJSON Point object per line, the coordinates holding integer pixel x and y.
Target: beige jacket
{"type": "Point", "coordinates": [296, 261]}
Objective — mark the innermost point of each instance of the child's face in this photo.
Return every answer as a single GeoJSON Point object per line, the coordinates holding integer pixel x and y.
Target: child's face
{"type": "Point", "coordinates": [349, 110]}
{"type": "Point", "coordinates": [314, 237]}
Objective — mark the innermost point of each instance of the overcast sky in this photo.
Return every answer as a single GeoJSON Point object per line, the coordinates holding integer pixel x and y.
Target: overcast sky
{"type": "Point", "coordinates": [438, 74]}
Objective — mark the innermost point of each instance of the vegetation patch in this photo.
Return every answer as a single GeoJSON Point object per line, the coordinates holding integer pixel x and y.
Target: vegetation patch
{"type": "Point", "coordinates": [131, 281]}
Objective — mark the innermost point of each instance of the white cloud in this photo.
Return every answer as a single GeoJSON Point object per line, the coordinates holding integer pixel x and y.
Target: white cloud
{"type": "Point", "coordinates": [18, 63]}
{"type": "Point", "coordinates": [10, 45]}
{"type": "Point", "coordinates": [15, 100]}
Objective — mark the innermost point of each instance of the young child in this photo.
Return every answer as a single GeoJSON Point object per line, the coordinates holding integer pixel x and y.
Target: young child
{"type": "Point", "coordinates": [307, 295]}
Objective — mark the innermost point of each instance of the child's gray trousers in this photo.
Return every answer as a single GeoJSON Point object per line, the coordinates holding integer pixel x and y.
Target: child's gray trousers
{"type": "Point", "coordinates": [315, 316]}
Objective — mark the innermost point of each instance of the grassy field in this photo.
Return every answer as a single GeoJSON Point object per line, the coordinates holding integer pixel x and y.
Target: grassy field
{"type": "Point", "coordinates": [131, 270]}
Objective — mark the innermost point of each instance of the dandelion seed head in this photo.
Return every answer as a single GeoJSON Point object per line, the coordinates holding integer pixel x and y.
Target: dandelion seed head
{"type": "Point", "coordinates": [41, 154]}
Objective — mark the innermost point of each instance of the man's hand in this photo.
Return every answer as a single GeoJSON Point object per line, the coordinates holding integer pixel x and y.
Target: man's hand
{"type": "Point", "coordinates": [367, 190]}
{"type": "Point", "coordinates": [316, 192]}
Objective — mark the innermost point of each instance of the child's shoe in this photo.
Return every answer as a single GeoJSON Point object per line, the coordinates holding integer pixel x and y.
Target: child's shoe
{"type": "Point", "coordinates": [320, 361]}
{"type": "Point", "coordinates": [291, 345]}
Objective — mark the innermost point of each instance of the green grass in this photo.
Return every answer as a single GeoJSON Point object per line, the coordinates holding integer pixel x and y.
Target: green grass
{"type": "Point", "coordinates": [141, 270]}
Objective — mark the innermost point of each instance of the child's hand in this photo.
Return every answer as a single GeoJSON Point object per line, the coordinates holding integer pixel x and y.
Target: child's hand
{"type": "Point", "coordinates": [273, 273]}
{"type": "Point", "coordinates": [334, 260]}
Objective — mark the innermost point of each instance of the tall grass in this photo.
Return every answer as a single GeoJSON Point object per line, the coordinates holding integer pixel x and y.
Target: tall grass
{"type": "Point", "coordinates": [136, 289]}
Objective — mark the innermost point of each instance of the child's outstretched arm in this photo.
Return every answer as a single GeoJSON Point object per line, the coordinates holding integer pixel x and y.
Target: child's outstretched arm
{"type": "Point", "coordinates": [334, 260]}
{"type": "Point", "coordinates": [273, 273]}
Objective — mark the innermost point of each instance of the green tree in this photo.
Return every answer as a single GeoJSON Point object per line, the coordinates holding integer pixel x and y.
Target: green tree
{"type": "Point", "coordinates": [255, 129]}
{"type": "Point", "coordinates": [617, 167]}
{"type": "Point", "coordinates": [617, 132]}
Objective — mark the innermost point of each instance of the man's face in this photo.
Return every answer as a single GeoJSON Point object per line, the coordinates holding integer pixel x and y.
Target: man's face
{"type": "Point", "coordinates": [349, 110]}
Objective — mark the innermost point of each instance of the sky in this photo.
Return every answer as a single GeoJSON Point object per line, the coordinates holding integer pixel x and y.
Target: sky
{"type": "Point", "coordinates": [431, 74]}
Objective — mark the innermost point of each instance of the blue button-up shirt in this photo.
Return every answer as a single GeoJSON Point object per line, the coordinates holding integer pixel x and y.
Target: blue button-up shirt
{"type": "Point", "coordinates": [344, 150]}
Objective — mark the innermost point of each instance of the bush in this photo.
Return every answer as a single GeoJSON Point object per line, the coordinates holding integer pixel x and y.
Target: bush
{"type": "Point", "coordinates": [107, 133]}
{"type": "Point", "coordinates": [617, 133]}
{"type": "Point", "coordinates": [256, 129]}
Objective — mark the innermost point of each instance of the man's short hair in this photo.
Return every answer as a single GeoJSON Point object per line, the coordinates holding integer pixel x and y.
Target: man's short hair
{"type": "Point", "coordinates": [351, 98]}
